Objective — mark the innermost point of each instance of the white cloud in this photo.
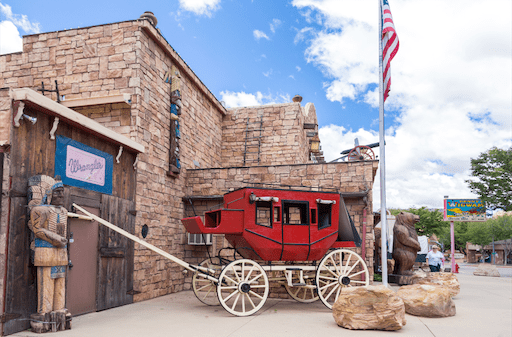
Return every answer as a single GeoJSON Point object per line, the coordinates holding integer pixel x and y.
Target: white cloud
{"type": "Point", "coordinates": [200, 7]}
{"type": "Point", "coordinates": [20, 20]}
{"type": "Point", "coordinates": [337, 138]}
{"type": "Point", "coordinates": [275, 24]}
{"type": "Point", "coordinates": [298, 68]}
{"type": "Point", "coordinates": [342, 56]}
{"type": "Point", "coordinates": [268, 73]}
{"type": "Point", "coordinates": [302, 34]}
{"type": "Point", "coordinates": [258, 34]}
{"type": "Point", "coordinates": [451, 88]}
{"type": "Point", "coordinates": [10, 39]}
{"type": "Point", "coordinates": [242, 99]}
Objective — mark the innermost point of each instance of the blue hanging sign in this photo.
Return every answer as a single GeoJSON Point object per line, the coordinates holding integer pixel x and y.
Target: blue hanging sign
{"type": "Point", "coordinates": [83, 166]}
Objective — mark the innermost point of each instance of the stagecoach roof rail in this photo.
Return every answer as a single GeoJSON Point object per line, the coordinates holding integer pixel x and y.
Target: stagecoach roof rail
{"type": "Point", "coordinates": [289, 187]}
{"type": "Point", "coordinates": [360, 194]}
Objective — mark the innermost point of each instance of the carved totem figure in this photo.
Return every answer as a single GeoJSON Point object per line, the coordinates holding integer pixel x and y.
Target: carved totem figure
{"type": "Point", "coordinates": [48, 222]}
{"type": "Point", "coordinates": [405, 243]}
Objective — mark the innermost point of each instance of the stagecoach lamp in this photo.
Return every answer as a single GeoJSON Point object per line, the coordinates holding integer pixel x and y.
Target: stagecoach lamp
{"type": "Point", "coordinates": [315, 144]}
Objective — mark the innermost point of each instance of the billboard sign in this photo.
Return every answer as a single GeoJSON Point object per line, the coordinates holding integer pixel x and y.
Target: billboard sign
{"type": "Point", "coordinates": [464, 210]}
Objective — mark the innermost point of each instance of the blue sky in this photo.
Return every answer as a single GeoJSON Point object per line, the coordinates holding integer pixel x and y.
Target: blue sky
{"type": "Point", "coordinates": [221, 46]}
{"type": "Point", "coordinates": [451, 93]}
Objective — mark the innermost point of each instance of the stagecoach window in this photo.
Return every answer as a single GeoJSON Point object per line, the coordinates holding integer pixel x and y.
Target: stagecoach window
{"type": "Point", "coordinates": [296, 213]}
{"type": "Point", "coordinates": [324, 215]}
{"type": "Point", "coordinates": [313, 215]}
{"type": "Point", "coordinates": [264, 213]}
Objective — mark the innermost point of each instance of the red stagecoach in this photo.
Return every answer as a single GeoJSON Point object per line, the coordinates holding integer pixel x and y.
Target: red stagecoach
{"type": "Point", "coordinates": [288, 232]}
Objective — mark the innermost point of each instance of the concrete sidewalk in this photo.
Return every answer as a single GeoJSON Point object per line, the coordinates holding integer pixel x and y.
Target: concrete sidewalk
{"type": "Point", "coordinates": [484, 308]}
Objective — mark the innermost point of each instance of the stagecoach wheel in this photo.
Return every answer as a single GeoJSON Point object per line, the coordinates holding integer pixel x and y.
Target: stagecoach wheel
{"type": "Point", "coordinates": [340, 269]}
{"type": "Point", "coordinates": [204, 289]}
{"type": "Point", "coordinates": [304, 294]}
{"type": "Point", "coordinates": [243, 287]}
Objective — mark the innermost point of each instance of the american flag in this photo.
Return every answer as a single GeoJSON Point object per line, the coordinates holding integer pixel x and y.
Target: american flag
{"type": "Point", "coordinates": [389, 45]}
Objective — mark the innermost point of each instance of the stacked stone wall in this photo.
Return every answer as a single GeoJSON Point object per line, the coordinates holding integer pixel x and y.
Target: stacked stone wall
{"type": "Point", "coordinates": [86, 62]}
{"type": "Point", "coordinates": [282, 139]}
{"type": "Point", "coordinates": [159, 197]}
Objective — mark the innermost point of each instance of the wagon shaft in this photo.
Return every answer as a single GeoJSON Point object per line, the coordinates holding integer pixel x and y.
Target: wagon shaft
{"type": "Point", "coordinates": [145, 244]}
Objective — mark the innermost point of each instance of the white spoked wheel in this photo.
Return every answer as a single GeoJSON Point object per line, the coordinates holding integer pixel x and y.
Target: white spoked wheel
{"type": "Point", "coordinates": [304, 294]}
{"type": "Point", "coordinates": [340, 269]}
{"type": "Point", "coordinates": [243, 287]}
{"type": "Point", "coordinates": [204, 289]}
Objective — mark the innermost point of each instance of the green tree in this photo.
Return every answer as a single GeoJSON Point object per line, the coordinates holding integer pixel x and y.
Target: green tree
{"type": "Point", "coordinates": [479, 233]}
{"type": "Point", "coordinates": [483, 233]}
{"type": "Point", "coordinates": [460, 232]}
{"type": "Point", "coordinates": [492, 178]}
{"type": "Point", "coordinates": [501, 229]}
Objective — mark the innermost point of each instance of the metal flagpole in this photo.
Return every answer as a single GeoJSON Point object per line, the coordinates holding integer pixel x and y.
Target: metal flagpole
{"type": "Point", "coordinates": [383, 213]}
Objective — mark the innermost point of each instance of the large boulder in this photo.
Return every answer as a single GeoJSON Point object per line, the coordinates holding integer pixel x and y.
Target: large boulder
{"type": "Point", "coordinates": [485, 269]}
{"type": "Point", "coordinates": [427, 300]}
{"type": "Point", "coordinates": [369, 308]}
{"type": "Point", "coordinates": [448, 280]}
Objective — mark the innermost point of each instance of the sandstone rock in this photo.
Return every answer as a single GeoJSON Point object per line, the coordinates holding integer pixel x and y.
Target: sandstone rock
{"type": "Point", "coordinates": [448, 280]}
{"type": "Point", "coordinates": [427, 300]}
{"type": "Point", "coordinates": [369, 308]}
{"type": "Point", "coordinates": [485, 269]}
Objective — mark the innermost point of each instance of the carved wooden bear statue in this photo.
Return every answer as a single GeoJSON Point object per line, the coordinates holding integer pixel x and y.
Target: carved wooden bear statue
{"type": "Point", "coordinates": [405, 243]}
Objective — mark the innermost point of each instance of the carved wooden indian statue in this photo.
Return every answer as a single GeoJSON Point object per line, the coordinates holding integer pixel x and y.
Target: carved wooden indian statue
{"type": "Point", "coordinates": [48, 222]}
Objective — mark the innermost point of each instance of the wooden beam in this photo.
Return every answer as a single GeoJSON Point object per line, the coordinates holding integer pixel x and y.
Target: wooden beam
{"type": "Point", "coordinates": [74, 118]}
{"type": "Point", "coordinates": [79, 102]}
{"type": "Point", "coordinates": [310, 126]}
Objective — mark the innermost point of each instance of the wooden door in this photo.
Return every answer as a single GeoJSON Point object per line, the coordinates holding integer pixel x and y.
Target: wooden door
{"type": "Point", "coordinates": [115, 270]}
{"type": "Point", "coordinates": [82, 270]}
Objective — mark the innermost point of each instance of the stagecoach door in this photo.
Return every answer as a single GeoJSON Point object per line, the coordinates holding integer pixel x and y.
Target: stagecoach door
{"type": "Point", "coordinates": [296, 230]}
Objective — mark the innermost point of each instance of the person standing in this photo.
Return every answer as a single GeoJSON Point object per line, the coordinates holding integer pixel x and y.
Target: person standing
{"type": "Point", "coordinates": [435, 259]}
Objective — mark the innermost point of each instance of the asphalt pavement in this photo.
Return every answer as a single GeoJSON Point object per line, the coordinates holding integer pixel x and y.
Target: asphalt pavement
{"type": "Point", "coordinates": [469, 268]}
{"type": "Point", "coordinates": [484, 309]}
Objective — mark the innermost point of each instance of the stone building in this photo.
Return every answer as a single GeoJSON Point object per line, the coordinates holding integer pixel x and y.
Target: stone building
{"type": "Point", "coordinates": [109, 88]}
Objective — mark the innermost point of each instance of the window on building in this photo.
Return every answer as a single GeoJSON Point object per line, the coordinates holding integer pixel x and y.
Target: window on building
{"type": "Point", "coordinates": [324, 215]}
{"type": "Point", "coordinates": [295, 213]}
{"type": "Point", "coordinates": [264, 213]}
